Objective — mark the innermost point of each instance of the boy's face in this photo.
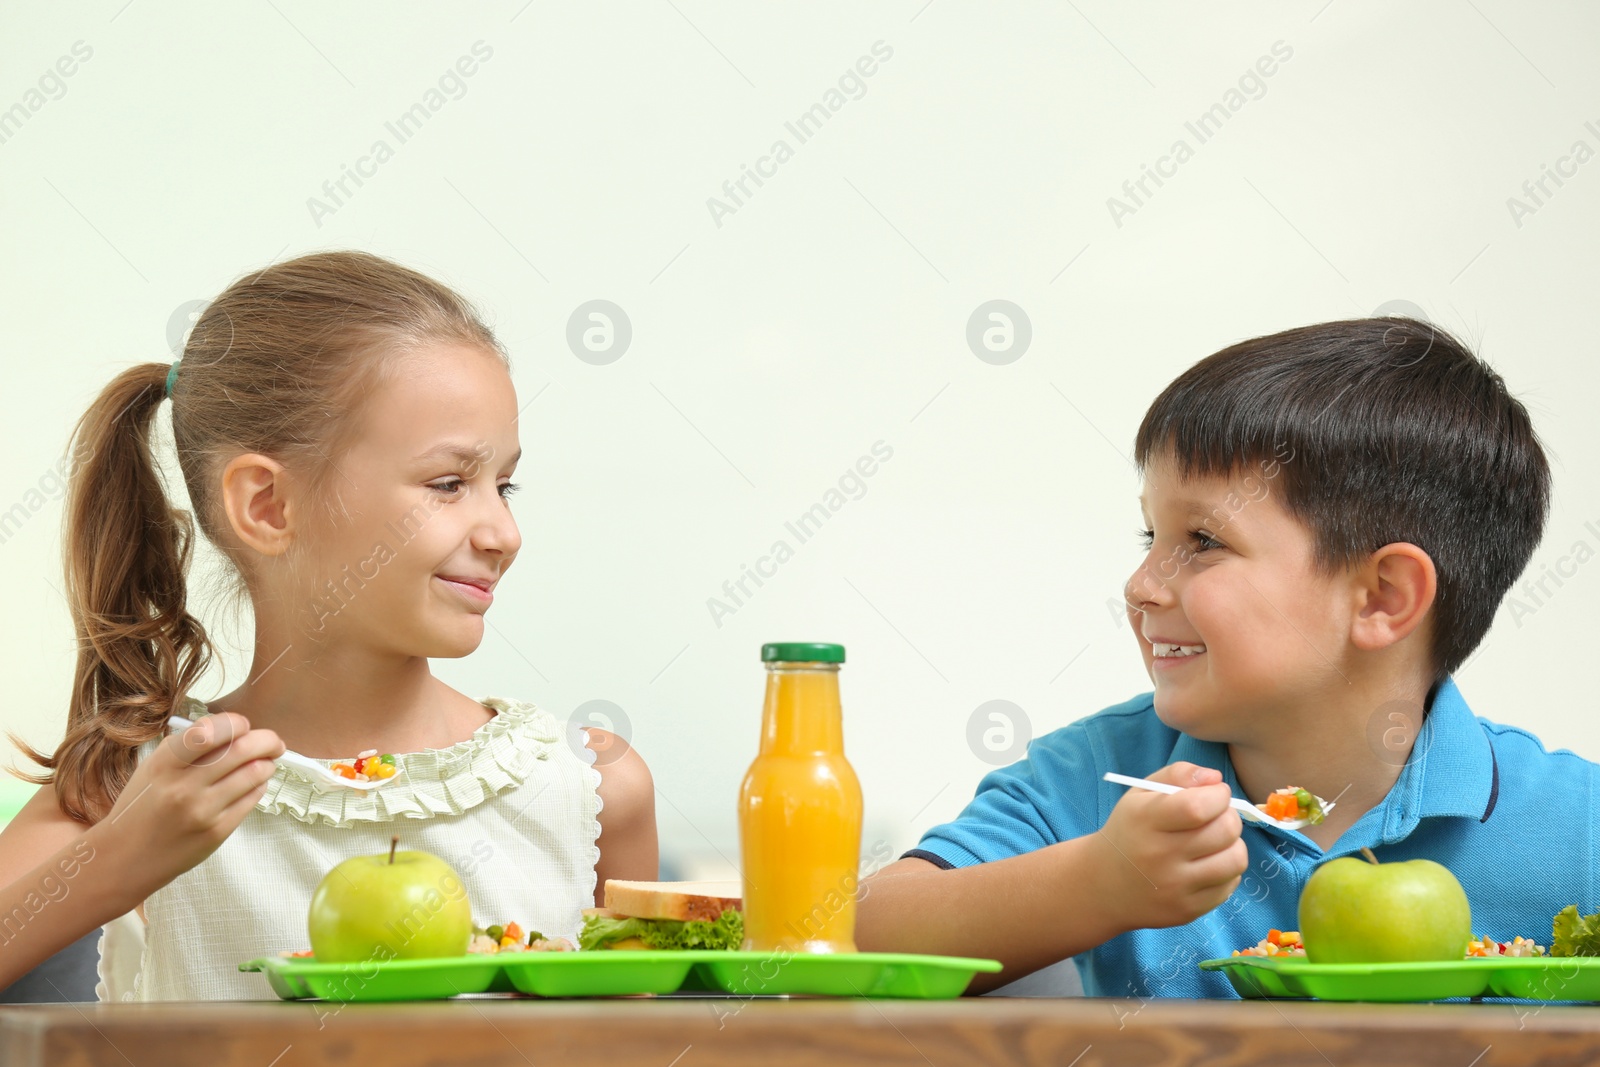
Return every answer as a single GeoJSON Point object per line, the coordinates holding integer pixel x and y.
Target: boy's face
{"type": "Point", "coordinates": [1229, 575]}
{"type": "Point", "coordinates": [415, 515]}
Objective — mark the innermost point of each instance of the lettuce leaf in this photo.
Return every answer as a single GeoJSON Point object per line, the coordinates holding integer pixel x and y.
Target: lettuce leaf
{"type": "Point", "coordinates": [726, 932]}
{"type": "Point", "coordinates": [1572, 934]}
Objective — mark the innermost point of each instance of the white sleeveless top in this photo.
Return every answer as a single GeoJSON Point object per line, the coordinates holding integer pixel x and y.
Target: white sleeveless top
{"type": "Point", "coordinates": [514, 809]}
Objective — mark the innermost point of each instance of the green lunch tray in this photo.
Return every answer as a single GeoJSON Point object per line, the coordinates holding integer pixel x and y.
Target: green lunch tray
{"type": "Point", "coordinates": [1528, 977]}
{"type": "Point", "coordinates": [625, 973]}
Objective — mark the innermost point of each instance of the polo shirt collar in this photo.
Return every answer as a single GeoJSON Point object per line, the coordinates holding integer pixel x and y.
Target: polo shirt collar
{"type": "Point", "coordinates": [1452, 770]}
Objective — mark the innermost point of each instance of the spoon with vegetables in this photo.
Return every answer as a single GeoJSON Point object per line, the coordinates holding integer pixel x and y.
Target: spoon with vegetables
{"type": "Point", "coordinates": [367, 771]}
{"type": "Point", "coordinates": [1288, 809]}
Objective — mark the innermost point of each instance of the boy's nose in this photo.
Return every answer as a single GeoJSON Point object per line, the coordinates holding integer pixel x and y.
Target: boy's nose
{"type": "Point", "coordinates": [1144, 589]}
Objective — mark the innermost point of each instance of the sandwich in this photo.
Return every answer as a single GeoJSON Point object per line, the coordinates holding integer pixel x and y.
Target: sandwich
{"type": "Point", "coordinates": [665, 915]}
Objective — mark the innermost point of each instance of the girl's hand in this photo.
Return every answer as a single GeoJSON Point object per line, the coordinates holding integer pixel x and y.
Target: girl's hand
{"type": "Point", "coordinates": [1173, 857]}
{"type": "Point", "coordinates": [187, 796]}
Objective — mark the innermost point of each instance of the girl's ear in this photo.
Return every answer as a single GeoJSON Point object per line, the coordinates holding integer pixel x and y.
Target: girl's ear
{"type": "Point", "coordinates": [255, 498]}
{"type": "Point", "coordinates": [1396, 590]}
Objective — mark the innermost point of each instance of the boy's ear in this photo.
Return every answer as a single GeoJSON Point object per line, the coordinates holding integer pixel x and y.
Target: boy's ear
{"type": "Point", "coordinates": [1395, 590]}
{"type": "Point", "coordinates": [255, 498]}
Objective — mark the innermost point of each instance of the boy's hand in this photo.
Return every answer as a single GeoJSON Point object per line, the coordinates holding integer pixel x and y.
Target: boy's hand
{"type": "Point", "coordinates": [187, 796]}
{"type": "Point", "coordinates": [1173, 857]}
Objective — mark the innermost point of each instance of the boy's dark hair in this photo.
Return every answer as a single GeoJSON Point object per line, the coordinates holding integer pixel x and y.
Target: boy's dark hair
{"type": "Point", "coordinates": [1385, 430]}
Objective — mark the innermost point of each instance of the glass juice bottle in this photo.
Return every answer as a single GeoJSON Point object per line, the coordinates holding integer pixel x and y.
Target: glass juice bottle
{"type": "Point", "coordinates": [800, 810]}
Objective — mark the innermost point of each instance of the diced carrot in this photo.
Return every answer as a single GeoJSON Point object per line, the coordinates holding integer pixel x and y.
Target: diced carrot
{"type": "Point", "coordinates": [1274, 937]}
{"type": "Point", "coordinates": [1282, 806]}
{"type": "Point", "coordinates": [513, 931]}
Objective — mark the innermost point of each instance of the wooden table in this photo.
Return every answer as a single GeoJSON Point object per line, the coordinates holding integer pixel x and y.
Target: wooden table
{"type": "Point", "coordinates": [709, 1032]}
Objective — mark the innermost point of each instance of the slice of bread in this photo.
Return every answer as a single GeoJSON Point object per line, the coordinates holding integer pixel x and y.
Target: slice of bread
{"type": "Point", "coordinates": [684, 901]}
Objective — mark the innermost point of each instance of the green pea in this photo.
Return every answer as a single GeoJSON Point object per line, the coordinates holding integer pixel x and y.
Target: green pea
{"type": "Point", "coordinates": [1303, 798]}
{"type": "Point", "coordinates": [496, 932]}
{"type": "Point", "coordinates": [386, 759]}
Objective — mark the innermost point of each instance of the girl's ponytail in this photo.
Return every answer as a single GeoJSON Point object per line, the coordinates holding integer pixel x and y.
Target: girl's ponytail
{"type": "Point", "coordinates": [125, 551]}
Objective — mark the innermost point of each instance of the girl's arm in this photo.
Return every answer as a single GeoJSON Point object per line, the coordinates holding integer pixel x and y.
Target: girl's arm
{"type": "Point", "coordinates": [59, 879]}
{"type": "Point", "coordinates": [54, 892]}
{"type": "Point", "coordinates": [628, 847]}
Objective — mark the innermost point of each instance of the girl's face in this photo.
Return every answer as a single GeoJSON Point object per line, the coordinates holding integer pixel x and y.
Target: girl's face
{"type": "Point", "coordinates": [1229, 575]}
{"type": "Point", "coordinates": [422, 520]}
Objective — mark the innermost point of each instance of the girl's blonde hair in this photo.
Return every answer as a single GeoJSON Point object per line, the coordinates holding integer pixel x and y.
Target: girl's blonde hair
{"type": "Point", "coordinates": [279, 364]}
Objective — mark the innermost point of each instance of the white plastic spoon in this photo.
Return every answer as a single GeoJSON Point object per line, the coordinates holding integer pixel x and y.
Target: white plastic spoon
{"type": "Point", "coordinates": [1247, 809]}
{"type": "Point", "coordinates": [311, 768]}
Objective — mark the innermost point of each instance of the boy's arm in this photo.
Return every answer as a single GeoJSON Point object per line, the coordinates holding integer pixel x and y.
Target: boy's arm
{"type": "Point", "coordinates": [1160, 860]}
{"type": "Point", "coordinates": [1028, 911]}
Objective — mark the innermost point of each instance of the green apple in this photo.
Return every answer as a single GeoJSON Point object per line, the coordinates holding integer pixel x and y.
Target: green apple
{"type": "Point", "coordinates": [1363, 911]}
{"type": "Point", "coordinates": [395, 905]}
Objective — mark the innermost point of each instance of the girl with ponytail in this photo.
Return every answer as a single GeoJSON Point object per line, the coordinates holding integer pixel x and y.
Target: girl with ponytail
{"type": "Point", "coordinates": [346, 431]}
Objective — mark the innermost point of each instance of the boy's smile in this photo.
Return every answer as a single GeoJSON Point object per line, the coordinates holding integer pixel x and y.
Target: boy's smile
{"type": "Point", "coordinates": [1237, 628]}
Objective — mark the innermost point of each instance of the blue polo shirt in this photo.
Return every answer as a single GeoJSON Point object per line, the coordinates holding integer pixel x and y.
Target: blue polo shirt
{"type": "Point", "coordinates": [1513, 822]}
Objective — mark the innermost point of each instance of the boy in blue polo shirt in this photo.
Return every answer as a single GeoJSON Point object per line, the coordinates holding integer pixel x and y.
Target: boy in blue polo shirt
{"type": "Point", "coordinates": [1333, 514]}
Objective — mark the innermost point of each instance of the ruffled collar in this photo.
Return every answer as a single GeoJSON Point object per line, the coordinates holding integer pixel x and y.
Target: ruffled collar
{"type": "Point", "coordinates": [501, 754]}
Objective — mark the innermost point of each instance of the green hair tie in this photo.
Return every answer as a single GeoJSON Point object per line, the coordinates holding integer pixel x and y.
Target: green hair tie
{"type": "Point", "coordinates": [172, 374]}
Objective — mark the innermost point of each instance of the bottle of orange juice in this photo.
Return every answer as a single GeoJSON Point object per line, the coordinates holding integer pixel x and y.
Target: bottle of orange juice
{"type": "Point", "coordinates": [800, 810]}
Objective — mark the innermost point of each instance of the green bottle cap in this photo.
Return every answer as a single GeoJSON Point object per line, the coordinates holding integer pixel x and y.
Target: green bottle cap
{"type": "Point", "coordinates": [801, 652]}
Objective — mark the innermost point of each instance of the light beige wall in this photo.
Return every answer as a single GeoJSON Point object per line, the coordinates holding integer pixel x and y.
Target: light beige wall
{"type": "Point", "coordinates": [774, 345]}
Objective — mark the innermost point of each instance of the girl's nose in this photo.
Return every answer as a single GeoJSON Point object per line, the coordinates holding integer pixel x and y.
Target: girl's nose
{"type": "Point", "coordinates": [498, 531]}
